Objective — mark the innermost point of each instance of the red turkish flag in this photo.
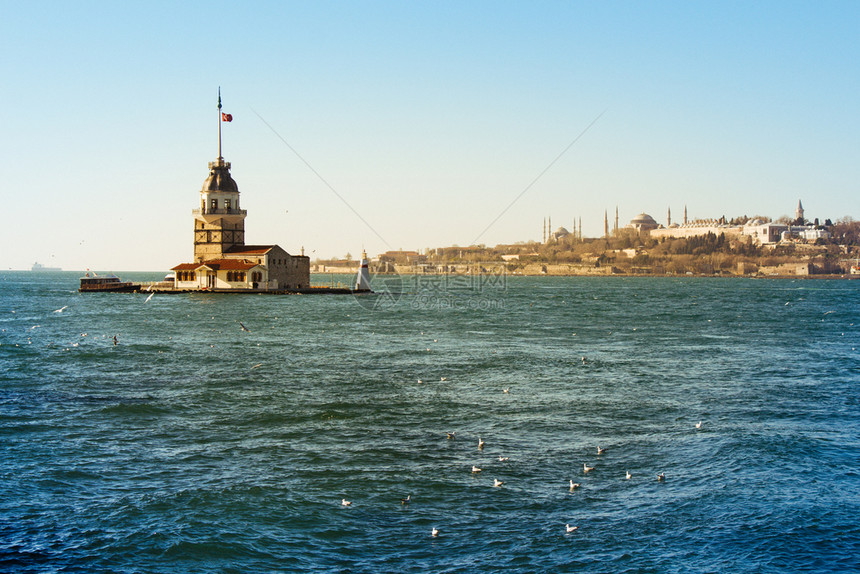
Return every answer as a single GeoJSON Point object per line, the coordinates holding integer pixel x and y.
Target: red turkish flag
{"type": "Point", "coordinates": [226, 117]}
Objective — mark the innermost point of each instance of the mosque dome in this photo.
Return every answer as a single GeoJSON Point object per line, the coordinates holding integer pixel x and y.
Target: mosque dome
{"type": "Point", "coordinates": [643, 219]}
{"type": "Point", "coordinates": [561, 231]}
{"type": "Point", "coordinates": [643, 222]}
{"type": "Point", "coordinates": [219, 177]}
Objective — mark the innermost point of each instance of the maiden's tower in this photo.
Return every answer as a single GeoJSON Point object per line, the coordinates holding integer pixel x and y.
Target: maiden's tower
{"type": "Point", "coordinates": [222, 260]}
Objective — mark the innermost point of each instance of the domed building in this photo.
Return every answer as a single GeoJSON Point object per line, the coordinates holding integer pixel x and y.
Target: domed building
{"type": "Point", "coordinates": [559, 234]}
{"type": "Point", "coordinates": [643, 222]}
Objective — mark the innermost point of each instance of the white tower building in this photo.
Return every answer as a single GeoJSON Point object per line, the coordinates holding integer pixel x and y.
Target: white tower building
{"type": "Point", "coordinates": [362, 280]}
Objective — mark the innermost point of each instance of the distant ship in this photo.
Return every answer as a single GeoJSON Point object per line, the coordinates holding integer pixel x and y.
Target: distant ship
{"type": "Point", "coordinates": [39, 267]}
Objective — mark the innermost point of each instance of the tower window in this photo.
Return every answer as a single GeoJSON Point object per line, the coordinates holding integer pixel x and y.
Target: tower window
{"type": "Point", "coordinates": [227, 205]}
{"type": "Point", "coordinates": [213, 204]}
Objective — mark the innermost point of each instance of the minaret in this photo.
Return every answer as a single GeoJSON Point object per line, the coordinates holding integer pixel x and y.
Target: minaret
{"type": "Point", "coordinates": [580, 228]}
{"type": "Point", "coordinates": [685, 215]}
{"type": "Point", "coordinates": [544, 229]}
{"type": "Point", "coordinates": [798, 213]}
{"type": "Point", "coordinates": [616, 219]}
{"type": "Point", "coordinates": [605, 224]}
{"type": "Point", "coordinates": [362, 280]}
{"type": "Point", "coordinates": [668, 217]}
{"type": "Point", "coordinates": [219, 224]}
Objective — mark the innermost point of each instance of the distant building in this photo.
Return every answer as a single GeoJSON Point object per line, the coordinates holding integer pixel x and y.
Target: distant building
{"type": "Point", "coordinates": [401, 257]}
{"type": "Point", "coordinates": [764, 233]}
{"type": "Point", "coordinates": [697, 228]}
{"type": "Point", "coordinates": [642, 222]}
{"type": "Point", "coordinates": [558, 235]}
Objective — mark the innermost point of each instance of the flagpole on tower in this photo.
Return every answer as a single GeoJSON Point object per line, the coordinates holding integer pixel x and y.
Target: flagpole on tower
{"type": "Point", "coordinates": [219, 124]}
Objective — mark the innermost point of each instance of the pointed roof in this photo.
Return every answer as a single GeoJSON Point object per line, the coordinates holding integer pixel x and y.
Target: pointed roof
{"type": "Point", "coordinates": [219, 178]}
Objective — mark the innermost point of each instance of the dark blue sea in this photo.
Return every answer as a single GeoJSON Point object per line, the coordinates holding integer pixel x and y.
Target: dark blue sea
{"type": "Point", "coordinates": [192, 445]}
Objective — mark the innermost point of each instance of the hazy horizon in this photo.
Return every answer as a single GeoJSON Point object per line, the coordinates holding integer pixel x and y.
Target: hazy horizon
{"type": "Point", "coordinates": [382, 126]}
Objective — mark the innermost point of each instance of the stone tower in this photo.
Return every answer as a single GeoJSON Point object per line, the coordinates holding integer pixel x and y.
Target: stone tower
{"type": "Point", "coordinates": [219, 224]}
{"type": "Point", "coordinates": [798, 213]}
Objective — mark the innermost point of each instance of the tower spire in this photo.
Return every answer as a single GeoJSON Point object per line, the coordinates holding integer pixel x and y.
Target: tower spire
{"type": "Point", "coordinates": [220, 157]}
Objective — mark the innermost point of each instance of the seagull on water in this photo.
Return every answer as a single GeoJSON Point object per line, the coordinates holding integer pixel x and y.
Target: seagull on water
{"type": "Point", "coordinates": [443, 378]}
{"type": "Point", "coordinates": [600, 450]}
{"type": "Point", "coordinates": [574, 485]}
{"type": "Point", "coordinates": [480, 443]}
{"type": "Point", "coordinates": [406, 500]}
{"type": "Point", "coordinates": [629, 476]}
{"type": "Point", "coordinates": [450, 435]}
{"type": "Point", "coordinates": [699, 425]}
{"type": "Point", "coordinates": [506, 390]}
{"type": "Point", "coordinates": [568, 528]}
{"type": "Point", "coordinates": [504, 458]}
{"type": "Point", "coordinates": [476, 469]}
{"type": "Point", "coordinates": [434, 532]}
{"type": "Point", "coordinates": [661, 477]}
{"type": "Point", "coordinates": [586, 468]}
{"type": "Point", "coordinates": [345, 502]}
{"type": "Point", "coordinates": [497, 482]}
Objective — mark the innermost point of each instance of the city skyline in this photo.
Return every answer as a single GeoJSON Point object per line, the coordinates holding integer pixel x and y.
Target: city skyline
{"type": "Point", "coordinates": [382, 126]}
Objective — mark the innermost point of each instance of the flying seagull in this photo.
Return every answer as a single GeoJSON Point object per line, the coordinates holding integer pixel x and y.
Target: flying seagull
{"type": "Point", "coordinates": [244, 328]}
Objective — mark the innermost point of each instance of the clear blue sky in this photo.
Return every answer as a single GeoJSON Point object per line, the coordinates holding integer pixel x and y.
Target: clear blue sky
{"type": "Point", "coordinates": [428, 119]}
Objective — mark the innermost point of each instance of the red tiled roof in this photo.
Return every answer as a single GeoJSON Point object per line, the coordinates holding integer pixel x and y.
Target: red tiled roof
{"type": "Point", "coordinates": [229, 264]}
{"type": "Point", "coordinates": [250, 249]}
{"type": "Point", "coordinates": [218, 265]}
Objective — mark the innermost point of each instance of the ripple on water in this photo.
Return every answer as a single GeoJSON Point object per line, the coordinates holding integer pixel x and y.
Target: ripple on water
{"type": "Point", "coordinates": [194, 446]}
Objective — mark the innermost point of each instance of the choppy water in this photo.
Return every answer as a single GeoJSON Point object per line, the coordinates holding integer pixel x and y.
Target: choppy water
{"type": "Point", "coordinates": [195, 446]}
